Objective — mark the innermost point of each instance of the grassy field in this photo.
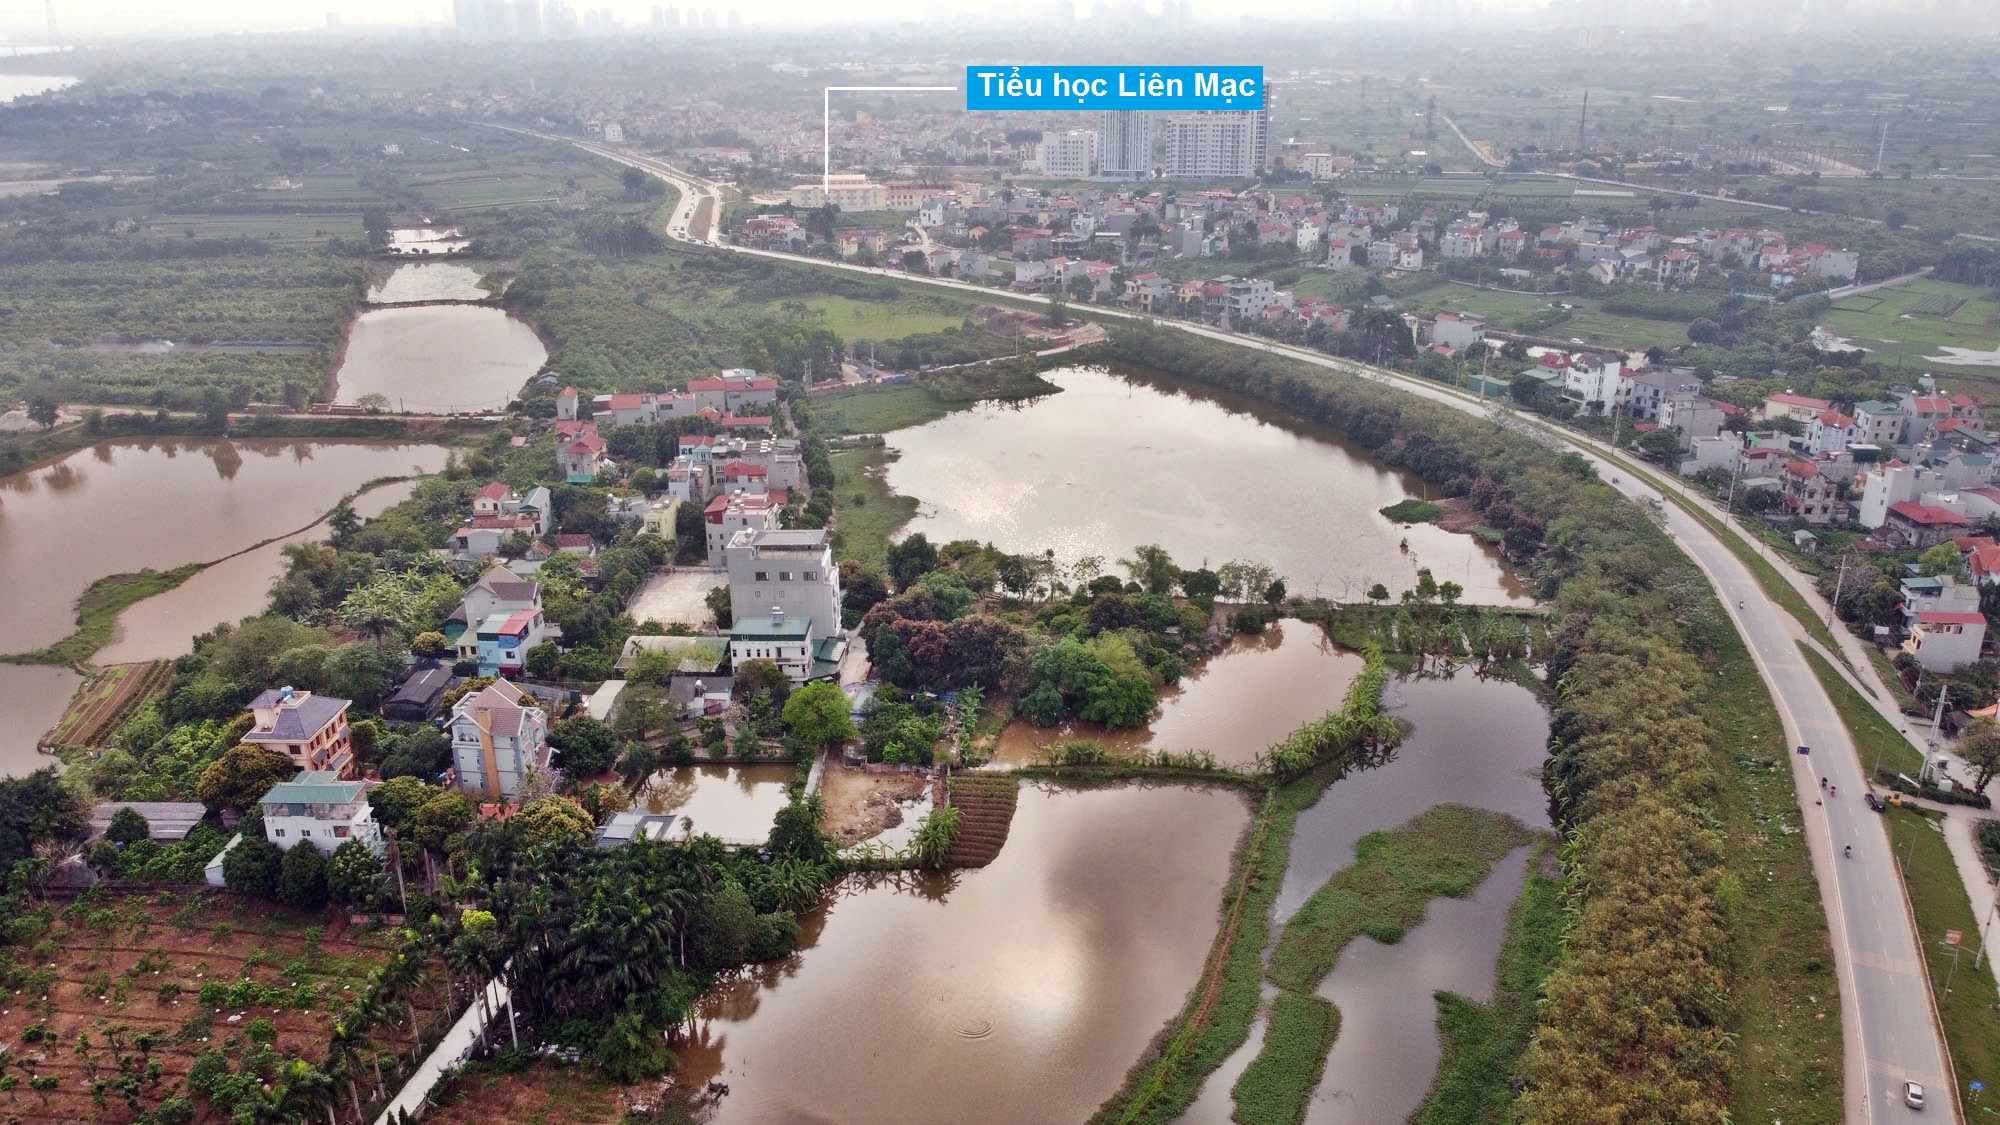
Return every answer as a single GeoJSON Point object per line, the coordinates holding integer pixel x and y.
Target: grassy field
{"type": "Point", "coordinates": [1910, 322]}
{"type": "Point", "coordinates": [1938, 897]}
{"type": "Point", "coordinates": [1587, 321]}
{"type": "Point", "coordinates": [1445, 852]}
{"type": "Point", "coordinates": [1788, 1059]}
{"type": "Point", "coordinates": [868, 513]}
{"type": "Point", "coordinates": [1591, 323]}
{"type": "Point", "coordinates": [542, 1094]}
{"type": "Point", "coordinates": [304, 227]}
{"type": "Point", "coordinates": [853, 320]}
{"type": "Point", "coordinates": [1483, 1043]}
{"type": "Point", "coordinates": [1297, 1041]}
{"type": "Point", "coordinates": [880, 411]}
{"type": "Point", "coordinates": [1875, 738]}
{"type": "Point", "coordinates": [1331, 285]}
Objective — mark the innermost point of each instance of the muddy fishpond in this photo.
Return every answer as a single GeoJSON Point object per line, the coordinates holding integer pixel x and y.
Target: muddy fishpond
{"type": "Point", "coordinates": [1117, 460]}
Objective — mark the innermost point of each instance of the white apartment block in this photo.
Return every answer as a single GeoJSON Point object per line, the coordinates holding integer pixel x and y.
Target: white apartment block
{"type": "Point", "coordinates": [1217, 145]}
{"type": "Point", "coordinates": [1068, 156]}
{"type": "Point", "coordinates": [1125, 144]}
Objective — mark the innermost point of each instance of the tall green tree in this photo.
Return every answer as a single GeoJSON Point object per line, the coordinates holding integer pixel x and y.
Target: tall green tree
{"type": "Point", "coordinates": [241, 776]}
{"type": "Point", "coordinates": [302, 877]}
{"type": "Point", "coordinates": [251, 867]}
{"type": "Point", "coordinates": [1151, 567]}
{"type": "Point", "coordinates": [818, 715]}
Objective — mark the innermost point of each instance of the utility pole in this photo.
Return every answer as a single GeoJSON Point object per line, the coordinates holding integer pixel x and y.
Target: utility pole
{"type": "Point", "coordinates": [1930, 744]}
{"type": "Point", "coordinates": [1838, 584]}
{"type": "Point", "coordinates": [1582, 117]}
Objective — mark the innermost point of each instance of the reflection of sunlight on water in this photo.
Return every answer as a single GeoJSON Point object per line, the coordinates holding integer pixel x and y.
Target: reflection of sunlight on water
{"type": "Point", "coordinates": [731, 802]}
{"type": "Point", "coordinates": [1111, 463]}
{"type": "Point", "coordinates": [1234, 705]}
{"type": "Point", "coordinates": [1016, 992]}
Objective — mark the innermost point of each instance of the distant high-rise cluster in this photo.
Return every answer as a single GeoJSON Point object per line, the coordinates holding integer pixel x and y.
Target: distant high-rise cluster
{"type": "Point", "coordinates": [525, 20]}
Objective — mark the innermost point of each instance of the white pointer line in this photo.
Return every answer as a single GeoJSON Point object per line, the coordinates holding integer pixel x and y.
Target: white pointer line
{"type": "Point", "coordinates": [826, 128]}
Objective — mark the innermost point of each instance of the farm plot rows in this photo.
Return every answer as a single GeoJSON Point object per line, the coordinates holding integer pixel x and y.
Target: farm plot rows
{"type": "Point", "coordinates": [986, 808]}
{"type": "Point", "coordinates": [106, 700]}
{"type": "Point", "coordinates": [116, 999]}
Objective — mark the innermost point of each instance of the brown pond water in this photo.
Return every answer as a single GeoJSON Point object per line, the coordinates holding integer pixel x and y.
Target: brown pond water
{"type": "Point", "coordinates": [438, 359]}
{"type": "Point", "coordinates": [1235, 705]}
{"type": "Point", "coordinates": [32, 698]}
{"type": "Point", "coordinates": [1014, 993]}
{"type": "Point", "coordinates": [1116, 461]}
{"type": "Point", "coordinates": [1388, 1032]}
{"type": "Point", "coordinates": [735, 803]}
{"type": "Point", "coordinates": [164, 626]}
{"type": "Point", "coordinates": [428, 281]}
{"type": "Point", "coordinates": [1476, 741]}
{"type": "Point", "coordinates": [127, 505]}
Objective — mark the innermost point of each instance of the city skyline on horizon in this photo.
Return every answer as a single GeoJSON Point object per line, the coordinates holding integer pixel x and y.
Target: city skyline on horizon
{"type": "Point", "coordinates": [97, 17]}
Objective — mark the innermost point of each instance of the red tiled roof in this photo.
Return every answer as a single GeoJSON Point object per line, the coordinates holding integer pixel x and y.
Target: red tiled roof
{"type": "Point", "coordinates": [1930, 515]}
{"type": "Point", "coordinates": [748, 420]}
{"type": "Point", "coordinates": [571, 540]}
{"type": "Point", "coordinates": [588, 443]}
{"type": "Point", "coordinates": [1834, 419]}
{"type": "Point", "coordinates": [1942, 618]}
{"type": "Point", "coordinates": [494, 491]}
{"type": "Point", "coordinates": [1986, 560]}
{"type": "Point", "coordinates": [1804, 469]}
{"type": "Point", "coordinates": [744, 469]}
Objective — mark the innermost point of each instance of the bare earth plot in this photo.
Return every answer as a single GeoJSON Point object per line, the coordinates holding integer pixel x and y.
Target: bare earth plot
{"type": "Point", "coordinates": [677, 597]}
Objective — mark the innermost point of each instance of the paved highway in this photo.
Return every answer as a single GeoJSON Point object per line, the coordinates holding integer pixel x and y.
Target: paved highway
{"type": "Point", "coordinates": [1889, 1024]}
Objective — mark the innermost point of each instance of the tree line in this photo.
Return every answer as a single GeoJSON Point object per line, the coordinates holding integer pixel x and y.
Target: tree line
{"type": "Point", "coordinates": [1643, 1023]}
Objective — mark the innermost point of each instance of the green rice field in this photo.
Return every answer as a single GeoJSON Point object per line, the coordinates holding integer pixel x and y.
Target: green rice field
{"type": "Point", "coordinates": [1909, 323]}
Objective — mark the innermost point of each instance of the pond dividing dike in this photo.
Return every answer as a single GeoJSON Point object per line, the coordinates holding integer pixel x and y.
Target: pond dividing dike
{"type": "Point", "coordinates": [1024, 990]}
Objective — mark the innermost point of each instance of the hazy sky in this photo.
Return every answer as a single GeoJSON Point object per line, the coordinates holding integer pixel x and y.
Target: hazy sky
{"type": "Point", "coordinates": [23, 20]}
{"type": "Point", "coordinates": [25, 16]}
